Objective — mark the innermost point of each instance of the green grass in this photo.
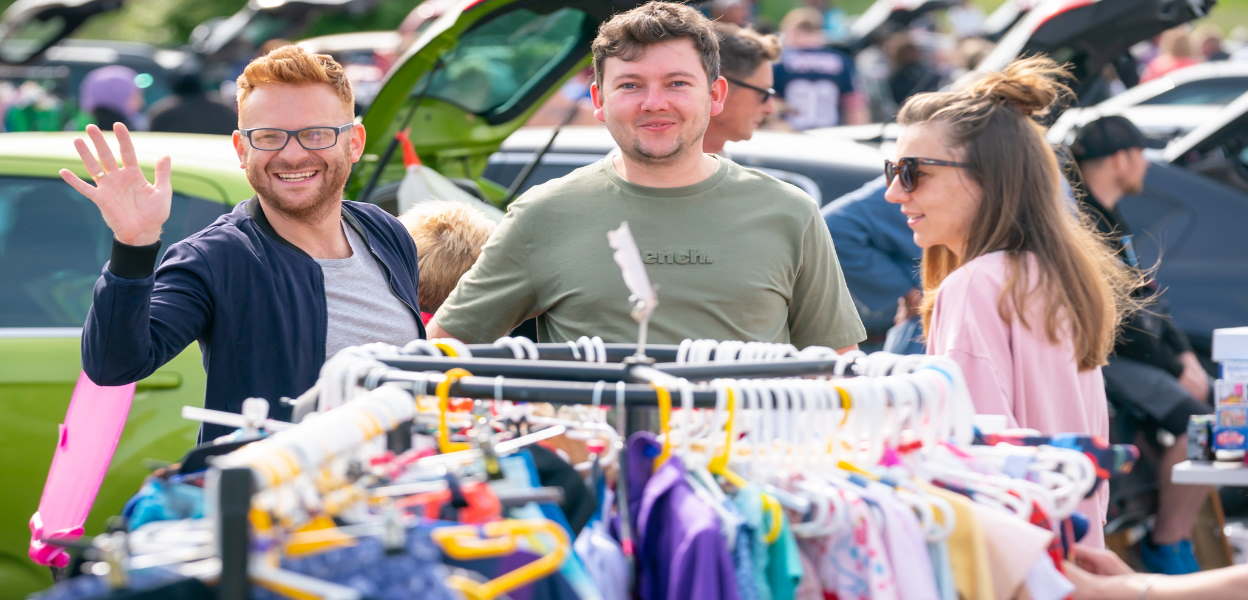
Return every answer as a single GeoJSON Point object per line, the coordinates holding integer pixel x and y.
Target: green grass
{"type": "Point", "coordinates": [1227, 14]}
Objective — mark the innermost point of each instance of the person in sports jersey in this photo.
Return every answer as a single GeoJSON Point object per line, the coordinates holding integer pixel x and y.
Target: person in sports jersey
{"type": "Point", "coordinates": [815, 81]}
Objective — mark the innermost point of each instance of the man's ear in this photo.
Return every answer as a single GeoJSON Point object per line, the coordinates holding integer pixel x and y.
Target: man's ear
{"type": "Point", "coordinates": [595, 94]}
{"type": "Point", "coordinates": [358, 137]}
{"type": "Point", "coordinates": [240, 146]}
{"type": "Point", "coordinates": [719, 94]}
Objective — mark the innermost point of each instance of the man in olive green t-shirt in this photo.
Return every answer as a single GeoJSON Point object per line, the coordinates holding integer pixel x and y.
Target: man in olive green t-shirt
{"type": "Point", "coordinates": [732, 252]}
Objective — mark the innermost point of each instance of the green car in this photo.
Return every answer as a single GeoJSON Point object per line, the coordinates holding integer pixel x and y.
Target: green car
{"type": "Point", "coordinates": [53, 244]}
{"type": "Point", "coordinates": [474, 76]}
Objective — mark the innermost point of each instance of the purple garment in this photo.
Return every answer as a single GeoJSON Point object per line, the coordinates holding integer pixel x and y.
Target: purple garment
{"type": "Point", "coordinates": [681, 554]}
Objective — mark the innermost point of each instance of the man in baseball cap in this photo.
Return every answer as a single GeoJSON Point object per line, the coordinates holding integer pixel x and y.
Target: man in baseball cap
{"type": "Point", "coordinates": [1153, 377]}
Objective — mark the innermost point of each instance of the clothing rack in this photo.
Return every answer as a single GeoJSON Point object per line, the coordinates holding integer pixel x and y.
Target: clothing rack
{"type": "Point", "coordinates": [502, 377]}
{"type": "Point", "coordinates": [611, 372]}
{"type": "Point", "coordinates": [614, 352]}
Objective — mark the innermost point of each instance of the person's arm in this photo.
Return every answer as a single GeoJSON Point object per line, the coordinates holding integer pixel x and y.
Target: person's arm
{"type": "Point", "coordinates": [436, 332]}
{"type": "Point", "coordinates": [821, 311]}
{"type": "Point", "coordinates": [498, 292]}
{"type": "Point", "coordinates": [967, 327]}
{"type": "Point", "coordinates": [1101, 575]}
{"type": "Point", "coordinates": [137, 320]}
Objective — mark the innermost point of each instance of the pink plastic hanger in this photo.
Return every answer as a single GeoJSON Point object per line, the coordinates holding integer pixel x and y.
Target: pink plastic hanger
{"type": "Point", "coordinates": [93, 424]}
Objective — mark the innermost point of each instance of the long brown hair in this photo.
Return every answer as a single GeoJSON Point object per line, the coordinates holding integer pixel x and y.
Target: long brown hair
{"type": "Point", "coordinates": [1023, 211]}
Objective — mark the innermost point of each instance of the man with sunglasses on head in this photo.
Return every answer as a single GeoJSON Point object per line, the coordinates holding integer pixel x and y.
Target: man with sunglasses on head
{"type": "Point", "coordinates": [271, 288]}
{"type": "Point", "coordinates": [745, 61]}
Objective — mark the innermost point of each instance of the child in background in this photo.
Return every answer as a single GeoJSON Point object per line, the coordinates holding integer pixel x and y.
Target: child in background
{"type": "Point", "coordinates": [449, 237]}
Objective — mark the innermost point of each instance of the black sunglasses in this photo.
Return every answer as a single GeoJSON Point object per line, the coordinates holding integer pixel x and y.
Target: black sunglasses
{"type": "Point", "coordinates": [908, 169]}
{"type": "Point", "coordinates": [767, 93]}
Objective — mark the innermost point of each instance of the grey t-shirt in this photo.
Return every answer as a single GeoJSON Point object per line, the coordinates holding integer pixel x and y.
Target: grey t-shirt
{"type": "Point", "coordinates": [360, 305]}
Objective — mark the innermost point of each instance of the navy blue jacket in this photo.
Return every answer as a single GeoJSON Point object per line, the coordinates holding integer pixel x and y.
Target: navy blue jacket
{"type": "Point", "coordinates": [254, 301]}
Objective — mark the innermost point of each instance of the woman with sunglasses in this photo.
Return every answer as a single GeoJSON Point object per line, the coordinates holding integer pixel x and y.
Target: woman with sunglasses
{"type": "Point", "coordinates": [1017, 290]}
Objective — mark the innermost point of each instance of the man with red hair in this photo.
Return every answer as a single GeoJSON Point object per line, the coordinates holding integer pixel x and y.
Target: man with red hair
{"type": "Point", "coordinates": [275, 286]}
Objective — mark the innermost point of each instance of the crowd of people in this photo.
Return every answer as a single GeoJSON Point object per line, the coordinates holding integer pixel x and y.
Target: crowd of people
{"type": "Point", "coordinates": [819, 81]}
{"type": "Point", "coordinates": [968, 233]}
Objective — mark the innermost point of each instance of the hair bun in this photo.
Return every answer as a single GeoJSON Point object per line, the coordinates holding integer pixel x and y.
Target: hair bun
{"type": "Point", "coordinates": [1029, 85]}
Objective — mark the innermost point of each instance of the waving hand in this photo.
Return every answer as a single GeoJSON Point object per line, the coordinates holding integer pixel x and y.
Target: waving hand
{"type": "Point", "coordinates": [132, 208]}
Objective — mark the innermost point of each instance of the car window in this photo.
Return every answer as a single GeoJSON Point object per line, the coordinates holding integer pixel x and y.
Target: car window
{"type": "Point", "coordinates": [1219, 91]}
{"type": "Point", "coordinates": [498, 63]}
{"type": "Point", "coordinates": [53, 245]}
{"type": "Point", "coordinates": [504, 167]}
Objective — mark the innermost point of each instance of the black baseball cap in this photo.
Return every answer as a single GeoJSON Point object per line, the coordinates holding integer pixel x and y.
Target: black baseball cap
{"type": "Point", "coordinates": [1105, 136]}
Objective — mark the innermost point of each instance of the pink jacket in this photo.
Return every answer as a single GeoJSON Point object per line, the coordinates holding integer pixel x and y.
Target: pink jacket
{"type": "Point", "coordinates": [1015, 370]}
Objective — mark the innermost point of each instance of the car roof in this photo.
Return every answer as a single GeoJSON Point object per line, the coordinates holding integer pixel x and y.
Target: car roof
{"type": "Point", "coordinates": [358, 40]}
{"type": "Point", "coordinates": [213, 152]}
{"type": "Point", "coordinates": [210, 158]}
{"type": "Point", "coordinates": [765, 144]}
{"type": "Point", "coordinates": [1229, 119]}
{"type": "Point", "coordinates": [1173, 79]}
{"type": "Point", "coordinates": [113, 51]}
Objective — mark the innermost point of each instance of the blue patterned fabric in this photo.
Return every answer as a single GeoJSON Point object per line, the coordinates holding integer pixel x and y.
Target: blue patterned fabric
{"type": "Point", "coordinates": [366, 568]}
{"type": "Point", "coordinates": [143, 584]}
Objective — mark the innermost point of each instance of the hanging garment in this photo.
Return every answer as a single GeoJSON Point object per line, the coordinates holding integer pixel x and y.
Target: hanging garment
{"type": "Point", "coordinates": [165, 499]}
{"type": "Point", "coordinates": [144, 584]}
{"type": "Point", "coordinates": [603, 557]}
{"type": "Point", "coordinates": [480, 504]}
{"type": "Point", "coordinates": [1014, 547]}
{"type": "Point", "coordinates": [520, 473]}
{"type": "Point", "coordinates": [578, 502]}
{"type": "Point", "coordinates": [680, 550]}
{"type": "Point", "coordinates": [778, 567]}
{"type": "Point", "coordinates": [968, 550]}
{"type": "Point", "coordinates": [1044, 582]}
{"type": "Point", "coordinates": [749, 503]}
{"type": "Point", "coordinates": [903, 540]}
{"type": "Point", "coordinates": [415, 572]}
{"type": "Point", "coordinates": [941, 569]}
{"type": "Point", "coordinates": [784, 564]}
{"type": "Point", "coordinates": [742, 546]}
{"type": "Point", "coordinates": [551, 587]}
{"type": "Point", "coordinates": [852, 561]}
{"type": "Point", "coordinates": [809, 588]}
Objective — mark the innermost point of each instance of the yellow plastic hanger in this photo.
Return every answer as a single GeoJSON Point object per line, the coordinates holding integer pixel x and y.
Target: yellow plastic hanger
{"type": "Point", "coordinates": [665, 424]}
{"type": "Point", "coordinates": [718, 464]}
{"type": "Point", "coordinates": [445, 445]}
{"type": "Point", "coordinates": [464, 542]}
{"type": "Point", "coordinates": [772, 506]}
{"type": "Point", "coordinates": [446, 349]}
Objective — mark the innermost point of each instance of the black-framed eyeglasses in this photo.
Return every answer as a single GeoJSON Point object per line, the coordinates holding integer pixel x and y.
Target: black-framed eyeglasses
{"type": "Point", "coordinates": [272, 139]}
{"type": "Point", "coordinates": [767, 93]}
{"type": "Point", "coordinates": [907, 169]}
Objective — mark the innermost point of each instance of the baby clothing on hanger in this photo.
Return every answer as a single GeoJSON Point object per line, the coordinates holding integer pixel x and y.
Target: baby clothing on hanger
{"type": "Point", "coordinates": [680, 550]}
